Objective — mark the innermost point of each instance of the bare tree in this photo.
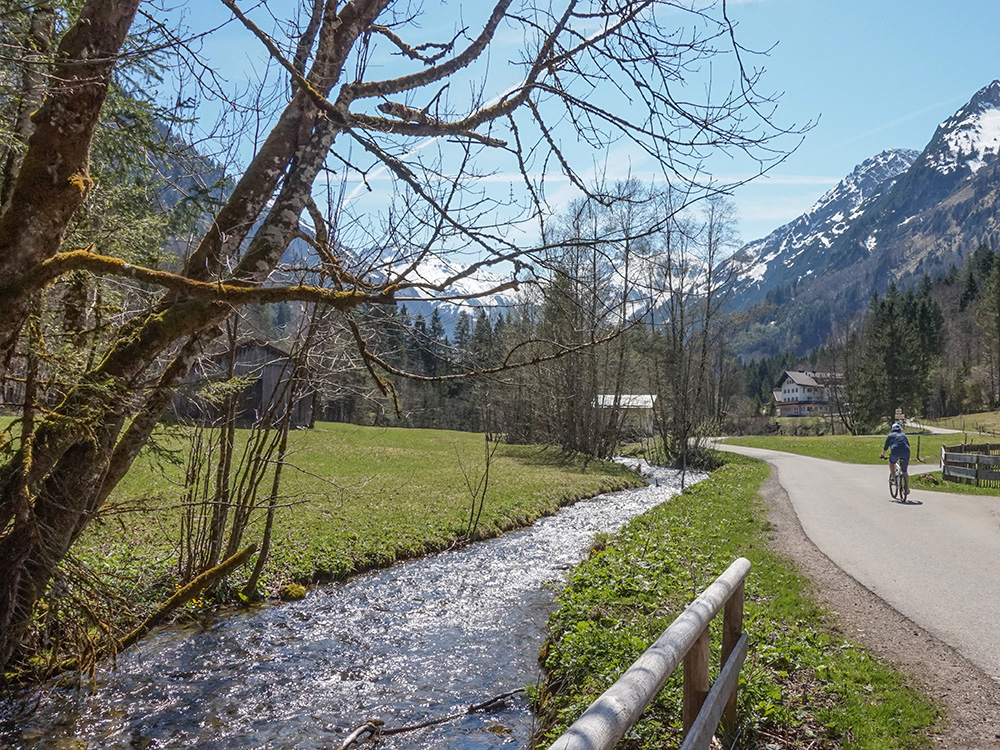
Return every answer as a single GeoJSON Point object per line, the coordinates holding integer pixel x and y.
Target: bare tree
{"type": "Point", "coordinates": [691, 277]}
{"type": "Point", "coordinates": [343, 118]}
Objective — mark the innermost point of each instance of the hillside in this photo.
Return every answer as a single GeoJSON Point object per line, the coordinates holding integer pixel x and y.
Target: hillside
{"type": "Point", "coordinates": [896, 217]}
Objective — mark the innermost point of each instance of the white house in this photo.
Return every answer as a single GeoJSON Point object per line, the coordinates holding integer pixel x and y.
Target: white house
{"type": "Point", "coordinates": [803, 394]}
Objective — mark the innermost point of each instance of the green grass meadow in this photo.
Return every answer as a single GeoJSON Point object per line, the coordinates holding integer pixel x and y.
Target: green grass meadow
{"type": "Point", "coordinates": [353, 498]}
{"type": "Point", "coordinates": [984, 422]}
{"type": "Point", "coordinates": [803, 684]}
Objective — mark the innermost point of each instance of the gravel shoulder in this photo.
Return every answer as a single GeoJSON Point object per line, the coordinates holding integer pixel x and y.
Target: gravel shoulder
{"type": "Point", "coordinates": [970, 698]}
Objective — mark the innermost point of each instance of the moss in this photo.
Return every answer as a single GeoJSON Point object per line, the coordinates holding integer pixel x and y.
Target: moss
{"type": "Point", "coordinates": [292, 592]}
{"type": "Point", "coordinates": [82, 182]}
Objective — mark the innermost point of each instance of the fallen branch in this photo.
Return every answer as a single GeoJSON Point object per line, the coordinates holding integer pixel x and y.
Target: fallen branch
{"type": "Point", "coordinates": [370, 728]}
{"type": "Point", "coordinates": [186, 593]}
{"type": "Point", "coordinates": [182, 596]}
{"type": "Point", "coordinates": [373, 729]}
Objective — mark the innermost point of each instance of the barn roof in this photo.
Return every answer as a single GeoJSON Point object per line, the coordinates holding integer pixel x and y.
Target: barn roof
{"type": "Point", "coordinates": [626, 401]}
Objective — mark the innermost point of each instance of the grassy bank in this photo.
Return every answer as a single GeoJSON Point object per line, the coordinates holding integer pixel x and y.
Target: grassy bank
{"type": "Point", "coordinates": [983, 422]}
{"type": "Point", "coordinates": [863, 449]}
{"type": "Point", "coordinates": [933, 481]}
{"type": "Point", "coordinates": [803, 685]}
{"type": "Point", "coordinates": [357, 498]}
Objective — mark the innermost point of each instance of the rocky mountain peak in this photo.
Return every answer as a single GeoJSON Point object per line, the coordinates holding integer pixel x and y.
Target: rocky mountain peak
{"type": "Point", "coordinates": [897, 215]}
{"type": "Point", "coordinates": [870, 174]}
{"type": "Point", "coordinates": [970, 138]}
{"type": "Point", "coordinates": [795, 250]}
{"type": "Point", "coordinates": [987, 97]}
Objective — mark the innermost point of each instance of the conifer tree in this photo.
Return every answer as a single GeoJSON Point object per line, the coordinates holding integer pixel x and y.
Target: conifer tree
{"type": "Point", "coordinates": [892, 371]}
{"type": "Point", "coordinates": [988, 319]}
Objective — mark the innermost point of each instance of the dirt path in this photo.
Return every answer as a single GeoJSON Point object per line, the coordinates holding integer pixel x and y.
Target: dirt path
{"type": "Point", "coordinates": [970, 698]}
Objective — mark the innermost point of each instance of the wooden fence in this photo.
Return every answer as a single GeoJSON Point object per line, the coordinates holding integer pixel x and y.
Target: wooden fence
{"type": "Point", "coordinates": [978, 464]}
{"type": "Point", "coordinates": [607, 720]}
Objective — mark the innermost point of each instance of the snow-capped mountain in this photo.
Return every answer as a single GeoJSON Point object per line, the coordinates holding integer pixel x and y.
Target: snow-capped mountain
{"type": "Point", "coordinates": [435, 280]}
{"type": "Point", "coordinates": [790, 253]}
{"type": "Point", "coordinates": [970, 138]}
{"type": "Point", "coordinates": [898, 216]}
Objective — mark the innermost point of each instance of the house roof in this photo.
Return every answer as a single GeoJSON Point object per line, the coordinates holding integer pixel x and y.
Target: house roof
{"type": "Point", "coordinates": [626, 401]}
{"type": "Point", "coordinates": [798, 377]}
{"type": "Point", "coordinates": [219, 349]}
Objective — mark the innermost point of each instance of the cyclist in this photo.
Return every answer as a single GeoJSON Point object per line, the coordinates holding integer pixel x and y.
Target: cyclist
{"type": "Point", "coordinates": [898, 446]}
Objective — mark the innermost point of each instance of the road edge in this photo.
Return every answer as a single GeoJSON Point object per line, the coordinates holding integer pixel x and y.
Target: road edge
{"type": "Point", "coordinates": [969, 697]}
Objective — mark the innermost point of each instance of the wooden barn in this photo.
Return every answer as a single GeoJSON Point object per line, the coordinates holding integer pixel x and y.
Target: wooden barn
{"type": "Point", "coordinates": [271, 390]}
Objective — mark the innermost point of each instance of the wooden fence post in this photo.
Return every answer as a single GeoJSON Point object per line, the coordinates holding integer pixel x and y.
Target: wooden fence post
{"type": "Point", "coordinates": [732, 629]}
{"type": "Point", "coordinates": [685, 642]}
{"type": "Point", "coordinates": [696, 681]}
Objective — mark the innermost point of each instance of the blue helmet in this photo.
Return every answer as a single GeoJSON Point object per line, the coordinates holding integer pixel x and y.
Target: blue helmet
{"type": "Point", "coordinates": [896, 427]}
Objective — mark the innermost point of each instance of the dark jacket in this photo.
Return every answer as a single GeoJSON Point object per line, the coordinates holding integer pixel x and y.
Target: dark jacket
{"type": "Point", "coordinates": [897, 445]}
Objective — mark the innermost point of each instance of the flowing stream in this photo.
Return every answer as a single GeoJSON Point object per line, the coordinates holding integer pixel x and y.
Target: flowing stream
{"type": "Point", "coordinates": [419, 641]}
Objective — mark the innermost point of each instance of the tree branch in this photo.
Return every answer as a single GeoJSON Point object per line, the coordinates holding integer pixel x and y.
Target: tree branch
{"type": "Point", "coordinates": [237, 293]}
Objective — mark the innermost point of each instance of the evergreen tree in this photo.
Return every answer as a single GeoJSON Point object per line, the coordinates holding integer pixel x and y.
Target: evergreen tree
{"type": "Point", "coordinates": [891, 372]}
{"type": "Point", "coordinates": [969, 292]}
{"type": "Point", "coordinates": [463, 336]}
{"type": "Point", "coordinates": [988, 319]}
{"type": "Point", "coordinates": [482, 345]}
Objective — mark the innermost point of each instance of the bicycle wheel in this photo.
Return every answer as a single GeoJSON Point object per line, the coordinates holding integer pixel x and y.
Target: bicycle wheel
{"type": "Point", "coordinates": [904, 488]}
{"type": "Point", "coordinates": [894, 486]}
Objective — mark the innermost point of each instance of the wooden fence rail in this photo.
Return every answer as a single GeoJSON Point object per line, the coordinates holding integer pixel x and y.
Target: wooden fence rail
{"type": "Point", "coordinates": [979, 464]}
{"type": "Point", "coordinates": [607, 720]}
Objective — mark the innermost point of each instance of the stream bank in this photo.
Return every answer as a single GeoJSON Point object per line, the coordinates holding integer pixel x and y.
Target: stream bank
{"type": "Point", "coordinates": [403, 645]}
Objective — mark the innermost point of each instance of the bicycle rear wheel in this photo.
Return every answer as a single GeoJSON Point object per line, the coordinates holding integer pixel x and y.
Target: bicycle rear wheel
{"type": "Point", "coordinates": [894, 486]}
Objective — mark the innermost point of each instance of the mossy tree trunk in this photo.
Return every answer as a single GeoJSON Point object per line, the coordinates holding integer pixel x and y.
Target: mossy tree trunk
{"type": "Point", "coordinates": [80, 453]}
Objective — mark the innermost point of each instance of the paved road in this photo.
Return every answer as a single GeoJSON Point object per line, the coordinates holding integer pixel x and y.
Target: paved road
{"type": "Point", "coordinates": [935, 559]}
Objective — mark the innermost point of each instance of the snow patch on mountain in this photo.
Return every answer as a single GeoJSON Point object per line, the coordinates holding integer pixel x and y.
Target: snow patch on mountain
{"type": "Point", "coordinates": [435, 276]}
{"type": "Point", "coordinates": [818, 228]}
{"type": "Point", "coordinates": [976, 140]}
{"type": "Point", "coordinates": [969, 136]}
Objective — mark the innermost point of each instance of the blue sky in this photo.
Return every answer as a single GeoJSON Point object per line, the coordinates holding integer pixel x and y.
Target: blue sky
{"type": "Point", "coordinates": [874, 74]}
{"type": "Point", "coordinates": [877, 73]}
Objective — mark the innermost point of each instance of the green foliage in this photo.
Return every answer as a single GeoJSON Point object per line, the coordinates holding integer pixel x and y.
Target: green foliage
{"type": "Point", "coordinates": [419, 345]}
{"type": "Point", "coordinates": [977, 270]}
{"type": "Point", "coordinates": [890, 366]}
{"type": "Point", "coordinates": [802, 682]}
{"type": "Point", "coordinates": [761, 375]}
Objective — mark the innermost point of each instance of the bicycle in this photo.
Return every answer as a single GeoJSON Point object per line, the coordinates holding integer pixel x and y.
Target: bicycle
{"type": "Point", "coordinates": [899, 487]}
